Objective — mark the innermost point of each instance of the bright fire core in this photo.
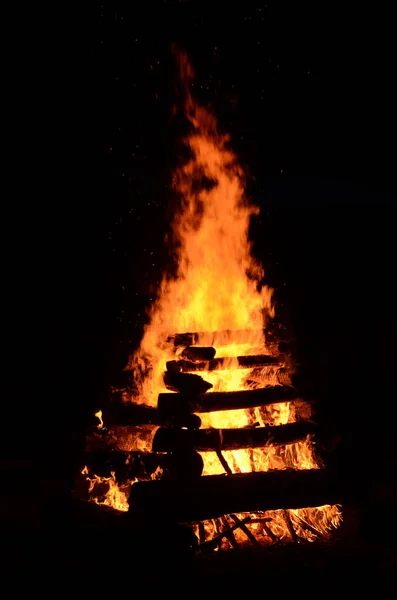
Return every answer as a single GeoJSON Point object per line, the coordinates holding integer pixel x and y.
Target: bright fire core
{"type": "Point", "coordinates": [218, 287]}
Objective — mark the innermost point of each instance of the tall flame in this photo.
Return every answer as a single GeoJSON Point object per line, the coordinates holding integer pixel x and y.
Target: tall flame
{"type": "Point", "coordinates": [218, 287]}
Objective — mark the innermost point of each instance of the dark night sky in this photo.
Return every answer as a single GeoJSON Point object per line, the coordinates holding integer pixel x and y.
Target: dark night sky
{"type": "Point", "coordinates": [304, 88]}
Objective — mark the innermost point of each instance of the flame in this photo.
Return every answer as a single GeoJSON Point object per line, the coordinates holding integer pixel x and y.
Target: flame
{"type": "Point", "coordinates": [99, 416]}
{"type": "Point", "coordinates": [218, 286]}
{"type": "Point", "coordinates": [114, 495]}
{"type": "Point", "coordinates": [269, 527]}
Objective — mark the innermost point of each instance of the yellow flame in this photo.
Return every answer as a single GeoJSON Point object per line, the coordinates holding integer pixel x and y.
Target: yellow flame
{"type": "Point", "coordinates": [116, 496]}
{"type": "Point", "coordinates": [99, 416]}
{"type": "Point", "coordinates": [218, 287]}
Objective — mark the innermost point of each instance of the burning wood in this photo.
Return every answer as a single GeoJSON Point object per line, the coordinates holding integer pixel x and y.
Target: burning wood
{"type": "Point", "coordinates": [223, 461]}
{"type": "Point", "coordinates": [171, 404]}
{"type": "Point", "coordinates": [227, 532]}
{"type": "Point", "coordinates": [245, 529]}
{"type": "Point", "coordinates": [138, 414]}
{"type": "Point", "coordinates": [168, 440]}
{"type": "Point", "coordinates": [291, 529]}
{"type": "Point", "coordinates": [218, 296]}
{"type": "Point", "coordinates": [242, 362]}
{"type": "Point", "coordinates": [217, 495]}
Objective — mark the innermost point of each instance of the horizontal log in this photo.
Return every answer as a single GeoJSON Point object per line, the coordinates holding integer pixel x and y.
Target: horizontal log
{"type": "Point", "coordinates": [126, 465]}
{"type": "Point", "coordinates": [198, 353]}
{"type": "Point", "coordinates": [170, 439]}
{"type": "Point", "coordinates": [183, 466]}
{"type": "Point", "coordinates": [216, 495]}
{"type": "Point", "coordinates": [275, 332]}
{"type": "Point", "coordinates": [173, 404]}
{"type": "Point", "coordinates": [140, 414]}
{"type": "Point", "coordinates": [243, 362]}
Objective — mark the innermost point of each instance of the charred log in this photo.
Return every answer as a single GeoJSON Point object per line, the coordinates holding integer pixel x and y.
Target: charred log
{"type": "Point", "coordinates": [140, 414]}
{"type": "Point", "coordinates": [244, 528]}
{"type": "Point", "coordinates": [170, 439]}
{"type": "Point", "coordinates": [171, 404]}
{"type": "Point", "coordinates": [186, 383]}
{"type": "Point", "coordinates": [269, 532]}
{"type": "Point", "coordinates": [198, 353]}
{"type": "Point", "coordinates": [242, 362]}
{"type": "Point", "coordinates": [290, 526]}
{"type": "Point", "coordinates": [216, 495]}
{"type": "Point", "coordinates": [226, 533]}
{"type": "Point", "coordinates": [229, 533]}
{"type": "Point", "coordinates": [223, 461]}
{"type": "Point", "coordinates": [308, 527]}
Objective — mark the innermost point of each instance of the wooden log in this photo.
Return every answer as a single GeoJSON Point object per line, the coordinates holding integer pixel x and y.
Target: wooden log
{"type": "Point", "coordinates": [275, 331]}
{"type": "Point", "coordinates": [226, 533]}
{"type": "Point", "coordinates": [229, 533]}
{"type": "Point", "coordinates": [269, 532]}
{"type": "Point", "coordinates": [223, 461]}
{"type": "Point", "coordinates": [198, 353]}
{"type": "Point", "coordinates": [244, 528]}
{"type": "Point", "coordinates": [121, 413]}
{"type": "Point", "coordinates": [242, 362]}
{"type": "Point", "coordinates": [172, 404]}
{"type": "Point", "coordinates": [126, 465]}
{"type": "Point", "coordinates": [169, 439]}
{"type": "Point", "coordinates": [216, 495]}
{"type": "Point", "coordinates": [292, 532]}
{"type": "Point", "coordinates": [186, 383]}
{"type": "Point", "coordinates": [308, 527]}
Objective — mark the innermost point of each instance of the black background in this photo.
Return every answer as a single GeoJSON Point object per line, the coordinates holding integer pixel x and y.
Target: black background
{"type": "Point", "coordinates": [305, 89]}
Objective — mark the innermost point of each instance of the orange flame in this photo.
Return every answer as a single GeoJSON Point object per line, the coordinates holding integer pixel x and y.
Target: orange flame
{"type": "Point", "coordinates": [218, 287]}
{"type": "Point", "coordinates": [99, 416]}
{"type": "Point", "coordinates": [114, 495]}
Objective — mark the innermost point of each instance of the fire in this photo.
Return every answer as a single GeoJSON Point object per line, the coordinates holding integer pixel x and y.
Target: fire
{"type": "Point", "coordinates": [99, 416]}
{"type": "Point", "coordinates": [106, 490]}
{"type": "Point", "coordinates": [218, 286]}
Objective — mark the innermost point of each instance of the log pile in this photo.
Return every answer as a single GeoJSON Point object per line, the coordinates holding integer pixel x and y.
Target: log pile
{"type": "Point", "coordinates": [182, 494]}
